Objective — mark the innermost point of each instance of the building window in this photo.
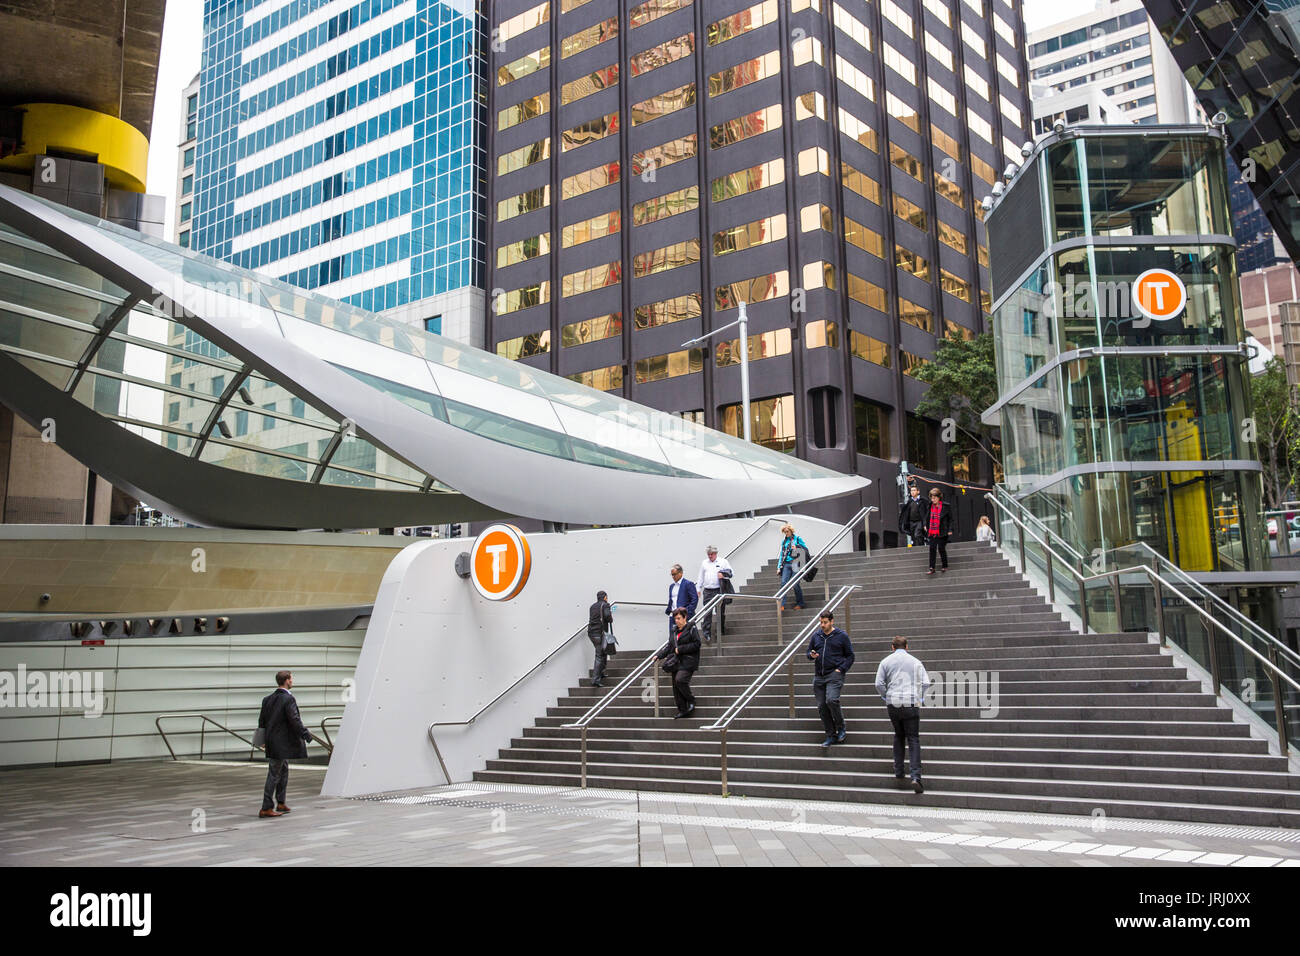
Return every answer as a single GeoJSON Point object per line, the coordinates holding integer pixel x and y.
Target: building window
{"type": "Point", "coordinates": [871, 428]}
{"type": "Point", "coordinates": [823, 408]}
{"type": "Point", "coordinates": [661, 104]}
{"type": "Point", "coordinates": [524, 156]}
{"type": "Point", "coordinates": [761, 345]}
{"type": "Point", "coordinates": [747, 180]}
{"type": "Point", "coordinates": [744, 127]}
{"type": "Point", "coordinates": [595, 34]}
{"type": "Point", "coordinates": [597, 227]}
{"type": "Point", "coordinates": [672, 365]}
{"type": "Point", "coordinates": [665, 154]}
{"type": "Point", "coordinates": [669, 204]}
{"type": "Point", "coordinates": [920, 443]}
{"type": "Point", "coordinates": [744, 73]}
{"type": "Point", "coordinates": [524, 298]}
{"type": "Point", "coordinates": [860, 183]}
{"type": "Point", "coordinates": [588, 132]}
{"type": "Point", "coordinates": [652, 10]}
{"type": "Point", "coordinates": [604, 379]}
{"type": "Point", "coordinates": [587, 280]}
{"type": "Point", "coordinates": [911, 263]}
{"type": "Point", "coordinates": [820, 334]}
{"type": "Point", "coordinates": [185, 212]}
{"type": "Point", "coordinates": [581, 183]}
{"type": "Point", "coordinates": [522, 112]}
{"type": "Point", "coordinates": [535, 343]}
{"type": "Point", "coordinates": [667, 52]}
{"type": "Point", "coordinates": [748, 235]}
{"type": "Point", "coordinates": [433, 324]}
{"type": "Point", "coordinates": [189, 158]}
{"type": "Point", "coordinates": [909, 212]}
{"type": "Point", "coordinates": [525, 66]}
{"type": "Point", "coordinates": [771, 422]}
{"type": "Point", "coordinates": [771, 286]}
{"type": "Point", "coordinates": [668, 311]}
{"type": "Point", "coordinates": [669, 257]}
{"type": "Point", "coordinates": [537, 198]}
{"type": "Point", "coordinates": [185, 239]}
{"type": "Point", "coordinates": [916, 315]}
{"type": "Point", "coordinates": [591, 330]}
{"type": "Point", "coordinates": [759, 15]}
{"type": "Point", "coordinates": [593, 82]}
{"type": "Point", "coordinates": [869, 349]}
{"type": "Point", "coordinates": [523, 22]}
{"type": "Point", "coordinates": [523, 250]}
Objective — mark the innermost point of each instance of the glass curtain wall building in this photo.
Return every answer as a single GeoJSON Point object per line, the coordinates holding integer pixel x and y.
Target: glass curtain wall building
{"type": "Point", "coordinates": [1118, 428]}
{"type": "Point", "coordinates": [340, 149]}
{"type": "Point", "coordinates": [654, 164]}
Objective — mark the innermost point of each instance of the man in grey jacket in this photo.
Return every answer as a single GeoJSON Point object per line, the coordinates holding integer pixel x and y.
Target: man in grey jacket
{"type": "Point", "coordinates": [902, 681]}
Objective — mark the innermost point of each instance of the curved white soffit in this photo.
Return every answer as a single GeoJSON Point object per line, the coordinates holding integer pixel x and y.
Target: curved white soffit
{"type": "Point", "coordinates": [511, 479]}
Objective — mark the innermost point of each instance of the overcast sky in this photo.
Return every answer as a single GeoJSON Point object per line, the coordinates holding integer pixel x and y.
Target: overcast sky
{"type": "Point", "coordinates": [182, 47]}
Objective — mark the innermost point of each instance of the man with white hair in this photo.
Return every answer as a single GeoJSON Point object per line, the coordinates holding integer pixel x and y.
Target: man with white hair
{"type": "Point", "coordinates": [709, 584]}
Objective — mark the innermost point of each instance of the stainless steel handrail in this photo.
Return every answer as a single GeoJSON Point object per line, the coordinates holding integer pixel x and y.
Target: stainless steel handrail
{"type": "Point", "coordinates": [863, 515]}
{"type": "Point", "coordinates": [328, 742]}
{"type": "Point", "coordinates": [786, 654]}
{"type": "Point", "coordinates": [1158, 586]}
{"type": "Point", "coordinates": [253, 748]}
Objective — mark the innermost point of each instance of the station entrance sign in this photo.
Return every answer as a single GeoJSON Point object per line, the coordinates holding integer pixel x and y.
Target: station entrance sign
{"type": "Point", "coordinates": [500, 562]}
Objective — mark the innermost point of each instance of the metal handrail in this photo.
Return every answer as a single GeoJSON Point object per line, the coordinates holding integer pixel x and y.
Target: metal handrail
{"type": "Point", "coordinates": [253, 748]}
{"type": "Point", "coordinates": [826, 550]}
{"type": "Point", "coordinates": [786, 654]}
{"type": "Point", "coordinates": [328, 742]}
{"type": "Point", "coordinates": [1159, 585]}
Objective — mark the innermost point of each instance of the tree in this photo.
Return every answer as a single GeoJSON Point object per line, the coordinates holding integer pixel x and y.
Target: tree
{"type": "Point", "coordinates": [963, 382]}
{"type": "Point", "coordinates": [1277, 432]}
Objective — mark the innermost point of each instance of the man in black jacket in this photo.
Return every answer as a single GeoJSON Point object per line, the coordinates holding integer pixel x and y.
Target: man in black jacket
{"type": "Point", "coordinates": [938, 525]}
{"type": "Point", "coordinates": [832, 652]}
{"type": "Point", "coordinates": [911, 517]}
{"type": "Point", "coordinates": [685, 645]}
{"type": "Point", "coordinates": [286, 739]}
{"type": "Point", "coordinates": [600, 621]}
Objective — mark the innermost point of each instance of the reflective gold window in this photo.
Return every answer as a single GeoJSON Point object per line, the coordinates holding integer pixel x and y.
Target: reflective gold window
{"type": "Point", "coordinates": [669, 204]}
{"type": "Point", "coordinates": [667, 311]}
{"type": "Point", "coordinates": [909, 212]}
{"type": "Point", "coordinates": [761, 345]}
{"type": "Point", "coordinates": [954, 285]}
{"type": "Point", "coordinates": [820, 334]}
{"type": "Point", "coordinates": [898, 63]}
{"type": "Point", "coordinates": [669, 257]}
{"type": "Point", "coordinates": [524, 298]}
{"type": "Point", "coordinates": [774, 285]}
{"type": "Point", "coordinates": [807, 50]}
{"type": "Point", "coordinates": [1009, 110]}
{"type": "Point", "coordinates": [972, 39]}
{"type": "Point", "coordinates": [814, 160]}
{"type": "Point", "coordinates": [771, 422]}
{"type": "Point", "coordinates": [760, 14]}
{"type": "Point", "coordinates": [949, 190]}
{"type": "Point", "coordinates": [605, 379]}
{"type": "Point", "coordinates": [1007, 70]}
{"type": "Point", "coordinates": [588, 132]}
{"type": "Point", "coordinates": [902, 111]}
{"type": "Point", "coordinates": [809, 105]}
{"type": "Point", "coordinates": [953, 330]}
{"type": "Point", "coordinates": [815, 217]}
{"type": "Point", "coordinates": [521, 23]}
{"type": "Point", "coordinates": [514, 115]}
{"type": "Point", "coordinates": [905, 161]}
{"type": "Point", "coordinates": [860, 183]}
{"type": "Point", "coordinates": [581, 183]}
{"type": "Point", "coordinates": [916, 315]}
{"type": "Point", "coordinates": [857, 130]}
{"type": "Point", "coordinates": [661, 104]}
{"type": "Point", "coordinates": [986, 302]}
{"type": "Point", "coordinates": [912, 363]}
{"type": "Point", "coordinates": [659, 367]}
{"type": "Point", "coordinates": [976, 83]}
{"type": "Point", "coordinates": [982, 254]}
{"type": "Point", "coordinates": [586, 39]}
{"type": "Point", "coordinates": [744, 127]}
{"type": "Point", "coordinates": [869, 349]}
{"type": "Point", "coordinates": [653, 10]}
{"type": "Point", "coordinates": [747, 235]}
{"type": "Point", "coordinates": [856, 234]}
{"type": "Point", "coordinates": [591, 330]}
{"type": "Point", "coordinates": [739, 183]}
{"type": "Point", "coordinates": [912, 262]}
{"type": "Point", "coordinates": [525, 65]}
{"type": "Point", "coordinates": [538, 198]}
{"type": "Point", "coordinates": [868, 293]}
{"type": "Point", "coordinates": [664, 53]}
{"type": "Point", "coordinates": [851, 25]}
{"type": "Point", "coordinates": [597, 227]}
{"type": "Point", "coordinates": [535, 343]}
{"type": "Point", "coordinates": [983, 170]}
{"type": "Point", "coordinates": [593, 82]}
{"type": "Point", "coordinates": [938, 49]}
{"type": "Point", "coordinates": [979, 125]}
{"type": "Point", "coordinates": [818, 275]}
{"type": "Point", "coordinates": [945, 142]}
{"type": "Point", "coordinates": [665, 154]}
{"type": "Point", "coordinates": [850, 74]}
{"type": "Point", "coordinates": [797, 5]}
{"type": "Point", "coordinates": [742, 74]}
{"type": "Point", "coordinates": [524, 156]}
{"type": "Point", "coordinates": [569, 5]}
{"type": "Point", "coordinates": [587, 280]}
{"type": "Point", "coordinates": [523, 250]}
{"type": "Point", "coordinates": [941, 97]}
{"type": "Point", "coordinates": [952, 236]}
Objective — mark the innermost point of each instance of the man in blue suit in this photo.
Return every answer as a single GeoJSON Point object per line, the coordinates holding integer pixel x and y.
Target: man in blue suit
{"type": "Point", "coordinates": [681, 593]}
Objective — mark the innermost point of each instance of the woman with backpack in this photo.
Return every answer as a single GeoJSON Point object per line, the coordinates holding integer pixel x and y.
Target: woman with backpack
{"type": "Point", "coordinates": [794, 554]}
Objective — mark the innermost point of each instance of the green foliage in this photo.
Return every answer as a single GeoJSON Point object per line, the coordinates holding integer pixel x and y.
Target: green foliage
{"type": "Point", "coordinates": [1277, 432]}
{"type": "Point", "coordinates": [963, 382]}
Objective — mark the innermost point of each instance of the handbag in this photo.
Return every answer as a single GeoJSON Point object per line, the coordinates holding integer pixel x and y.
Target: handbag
{"type": "Point", "coordinates": [670, 663]}
{"type": "Point", "coordinates": [811, 573]}
{"type": "Point", "coordinates": [611, 643]}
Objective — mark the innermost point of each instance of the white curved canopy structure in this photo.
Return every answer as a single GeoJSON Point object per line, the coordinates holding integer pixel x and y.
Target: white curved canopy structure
{"type": "Point", "coordinates": [363, 421]}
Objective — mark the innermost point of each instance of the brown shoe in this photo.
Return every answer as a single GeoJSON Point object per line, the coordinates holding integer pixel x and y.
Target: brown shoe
{"type": "Point", "coordinates": [282, 808]}
{"type": "Point", "coordinates": [269, 813]}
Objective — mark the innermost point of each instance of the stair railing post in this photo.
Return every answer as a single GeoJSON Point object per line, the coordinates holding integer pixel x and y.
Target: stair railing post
{"type": "Point", "coordinates": [1051, 580]}
{"type": "Point", "coordinates": [866, 533]}
{"type": "Point", "coordinates": [1083, 596]}
{"type": "Point", "coordinates": [655, 671]}
{"type": "Point", "coordinates": [1114, 590]}
{"type": "Point", "coordinates": [722, 736]}
{"type": "Point", "coordinates": [1024, 568]}
{"type": "Point", "coordinates": [1158, 595]}
{"type": "Point", "coordinates": [790, 677]}
{"type": "Point", "coordinates": [1211, 644]}
{"type": "Point", "coordinates": [584, 756]}
{"type": "Point", "coordinates": [1279, 705]}
{"type": "Point", "coordinates": [848, 613]}
{"type": "Point", "coordinates": [780, 623]}
{"type": "Point", "coordinates": [203, 730]}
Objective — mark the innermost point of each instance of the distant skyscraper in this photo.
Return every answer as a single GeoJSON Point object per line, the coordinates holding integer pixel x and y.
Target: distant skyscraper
{"type": "Point", "coordinates": [340, 148]}
{"type": "Point", "coordinates": [654, 164]}
{"type": "Point", "coordinates": [185, 154]}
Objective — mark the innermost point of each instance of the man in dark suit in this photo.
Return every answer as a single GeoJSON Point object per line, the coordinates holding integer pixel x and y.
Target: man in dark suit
{"type": "Point", "coordinates": [286, 739]}
{"type": "Point", "coordinates": [681, 593]}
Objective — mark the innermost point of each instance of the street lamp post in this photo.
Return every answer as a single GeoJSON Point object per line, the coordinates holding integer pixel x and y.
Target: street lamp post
{"type": "Point", "coordinates": [743, 322]}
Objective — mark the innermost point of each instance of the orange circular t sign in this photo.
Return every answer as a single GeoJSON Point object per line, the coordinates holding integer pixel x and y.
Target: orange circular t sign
{"type": "Point", "coordinates": [500, 562]}
{"type": "Point", "coordinates": [1159, 294]}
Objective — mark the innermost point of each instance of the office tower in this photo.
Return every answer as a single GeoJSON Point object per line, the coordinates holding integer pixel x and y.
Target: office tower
{"type": "Point", "coordinates": [340, 149]}
{"type": "Point", "coordinates": [185, 156]}
{"type": "Point", "coordinates": [1241, 60]}
{"type": "Point", "coordinates": [654, 165]}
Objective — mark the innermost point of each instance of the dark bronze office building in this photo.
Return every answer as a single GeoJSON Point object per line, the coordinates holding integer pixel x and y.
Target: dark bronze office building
{"type": "Point", "coordinates": [1244, 59]}
{"type": "Point", "coordinates": [654, 165]}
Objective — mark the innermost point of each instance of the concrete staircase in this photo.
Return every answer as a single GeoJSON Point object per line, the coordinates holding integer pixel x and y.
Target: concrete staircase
{"type": "Point", "coordinates": [1084, 723]}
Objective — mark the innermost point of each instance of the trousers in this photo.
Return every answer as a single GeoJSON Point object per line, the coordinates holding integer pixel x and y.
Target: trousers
{"type": "Point", "coordinates": [277, 782]}
{"type": "Point", "coordinates": [682, 692]}
{"type": "Point", "coordinates": [598, 664]}
{"type": "Point", "coordinates": [826, 689]}
{"type": "Point", "coordinates": [941, 545]}
{"type": "Point", "coordinates": [907, 726]}
{"type": "Point", "coordinates": [787, 573]}
{"type": "Point", "coordinates": [705, 596]}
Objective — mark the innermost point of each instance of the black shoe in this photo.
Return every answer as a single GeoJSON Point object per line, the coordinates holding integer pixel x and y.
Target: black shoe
{"type": "Point", "coordinates": [598, 683]}
{"type": "Point", "coordinates": [900, 776]}
{"type": "Point", "coordinates": [680, 714]}
{"type": "Point", "coordinates": [916, 785]}
{"type": "Point", "coordinates": [840, 737]}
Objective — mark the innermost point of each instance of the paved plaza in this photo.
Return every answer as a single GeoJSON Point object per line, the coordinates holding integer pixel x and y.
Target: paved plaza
{"type": "Point", "coordinates": [204, 814]}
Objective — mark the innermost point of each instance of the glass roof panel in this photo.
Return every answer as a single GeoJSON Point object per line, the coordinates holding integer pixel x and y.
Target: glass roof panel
{"type": "Point", "coordinates": [18, 290]}
{"type": "Point", "coordinates": [56, 375]}
{"type": "Point", "coordinates": [44, 338]}
{"type": "Point", "coordinates": [25, 253]}
{"type": "Point", "coordinates": [218, 452]}
{"type": "Point", "coordinates": [278, 400]}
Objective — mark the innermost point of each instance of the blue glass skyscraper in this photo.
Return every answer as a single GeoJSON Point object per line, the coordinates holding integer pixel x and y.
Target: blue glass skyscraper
{"type": "Point", "coordinates": [341, 148]}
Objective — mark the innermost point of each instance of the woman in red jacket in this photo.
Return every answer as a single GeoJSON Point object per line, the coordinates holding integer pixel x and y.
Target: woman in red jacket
{"type": "Point", "coordinates": [938, 522]}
